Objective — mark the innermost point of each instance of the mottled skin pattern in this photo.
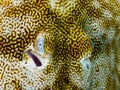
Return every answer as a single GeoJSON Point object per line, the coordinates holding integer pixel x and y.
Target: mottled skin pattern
{"type": "Point", "coordinates": [82, 40]}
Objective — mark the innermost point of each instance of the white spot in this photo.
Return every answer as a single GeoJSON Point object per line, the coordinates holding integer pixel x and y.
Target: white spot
{"type": "Point", "coordinates": [31, 64]}
{"type": "Point", "coordinates": [95, 28]}
{"type": "Point", "coordinates": [110, 34]}
{"type": "Point", "coordinates": [16, 2]}
{"type": "Point", "coordinates": [86, 66]}
{"type": "Point", "coordinates": [107, 14]}
{"type": "Point", "coordinates": [96, 4]}
{"type": "Point", "coordinates": [52, 3]}
{"type": "Point", "coordinates": [2, 9]}
{"type": "Point", "coordinates": [30, 47]}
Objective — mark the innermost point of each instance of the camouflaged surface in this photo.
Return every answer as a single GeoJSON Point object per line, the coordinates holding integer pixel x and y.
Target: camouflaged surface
{"type": "Point", "coordinates": [81, 44]}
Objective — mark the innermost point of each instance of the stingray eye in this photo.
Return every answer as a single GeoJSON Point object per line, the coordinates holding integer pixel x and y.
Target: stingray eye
{"type": "Point", "coordinates": [39, 53]}
{"type": "Point", "coordinates": [40, 45]}
{"type": "Point", "coordinates": [38, 57]}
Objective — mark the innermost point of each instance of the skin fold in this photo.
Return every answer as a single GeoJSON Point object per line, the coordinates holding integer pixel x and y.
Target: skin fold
{"type": "Point", "coordinates": [59, 45]}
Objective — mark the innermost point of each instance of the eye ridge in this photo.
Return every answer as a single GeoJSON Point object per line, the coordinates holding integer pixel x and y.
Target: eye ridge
{"type": "Point", "coordinates": [35, 58]}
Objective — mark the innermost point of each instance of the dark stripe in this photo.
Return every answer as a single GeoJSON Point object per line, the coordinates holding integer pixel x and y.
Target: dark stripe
{"type": "Point", "coordinates": [35, 58]}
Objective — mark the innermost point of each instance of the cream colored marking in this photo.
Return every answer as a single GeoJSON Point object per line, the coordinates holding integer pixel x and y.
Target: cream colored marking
{"type": "Point", "coordinates": [119, 1]}
{"type": "Point", "coordinates": [96, 4]}
{"type": "Point", "coordinates": [107, 14]}
{"type": "Point", "coordinates": [44, 61]}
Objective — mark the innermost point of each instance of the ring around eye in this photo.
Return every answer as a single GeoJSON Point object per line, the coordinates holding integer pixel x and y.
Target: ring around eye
{"type": "Point", "coordinates": [40, 44]}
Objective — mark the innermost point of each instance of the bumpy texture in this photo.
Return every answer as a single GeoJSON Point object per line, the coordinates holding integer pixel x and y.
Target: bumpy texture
{"type": "Point", "coordinates": [76, 41]}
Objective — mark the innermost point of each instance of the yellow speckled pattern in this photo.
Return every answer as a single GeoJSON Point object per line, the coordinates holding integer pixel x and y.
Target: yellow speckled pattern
{"type": "Point", "coordinates": [80, 44]}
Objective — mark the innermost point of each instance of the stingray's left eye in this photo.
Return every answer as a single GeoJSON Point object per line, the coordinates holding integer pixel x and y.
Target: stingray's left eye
{"type": "Point", "coordinates": [44, 44]}
{"type": "Point", "coordinates": [40, 45]}
{"type": "Point", "coordinates": [37, 54]}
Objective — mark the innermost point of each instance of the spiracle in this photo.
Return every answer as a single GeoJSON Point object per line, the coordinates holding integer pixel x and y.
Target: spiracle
{"type": "Point", "coordinates": [35, 58]}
